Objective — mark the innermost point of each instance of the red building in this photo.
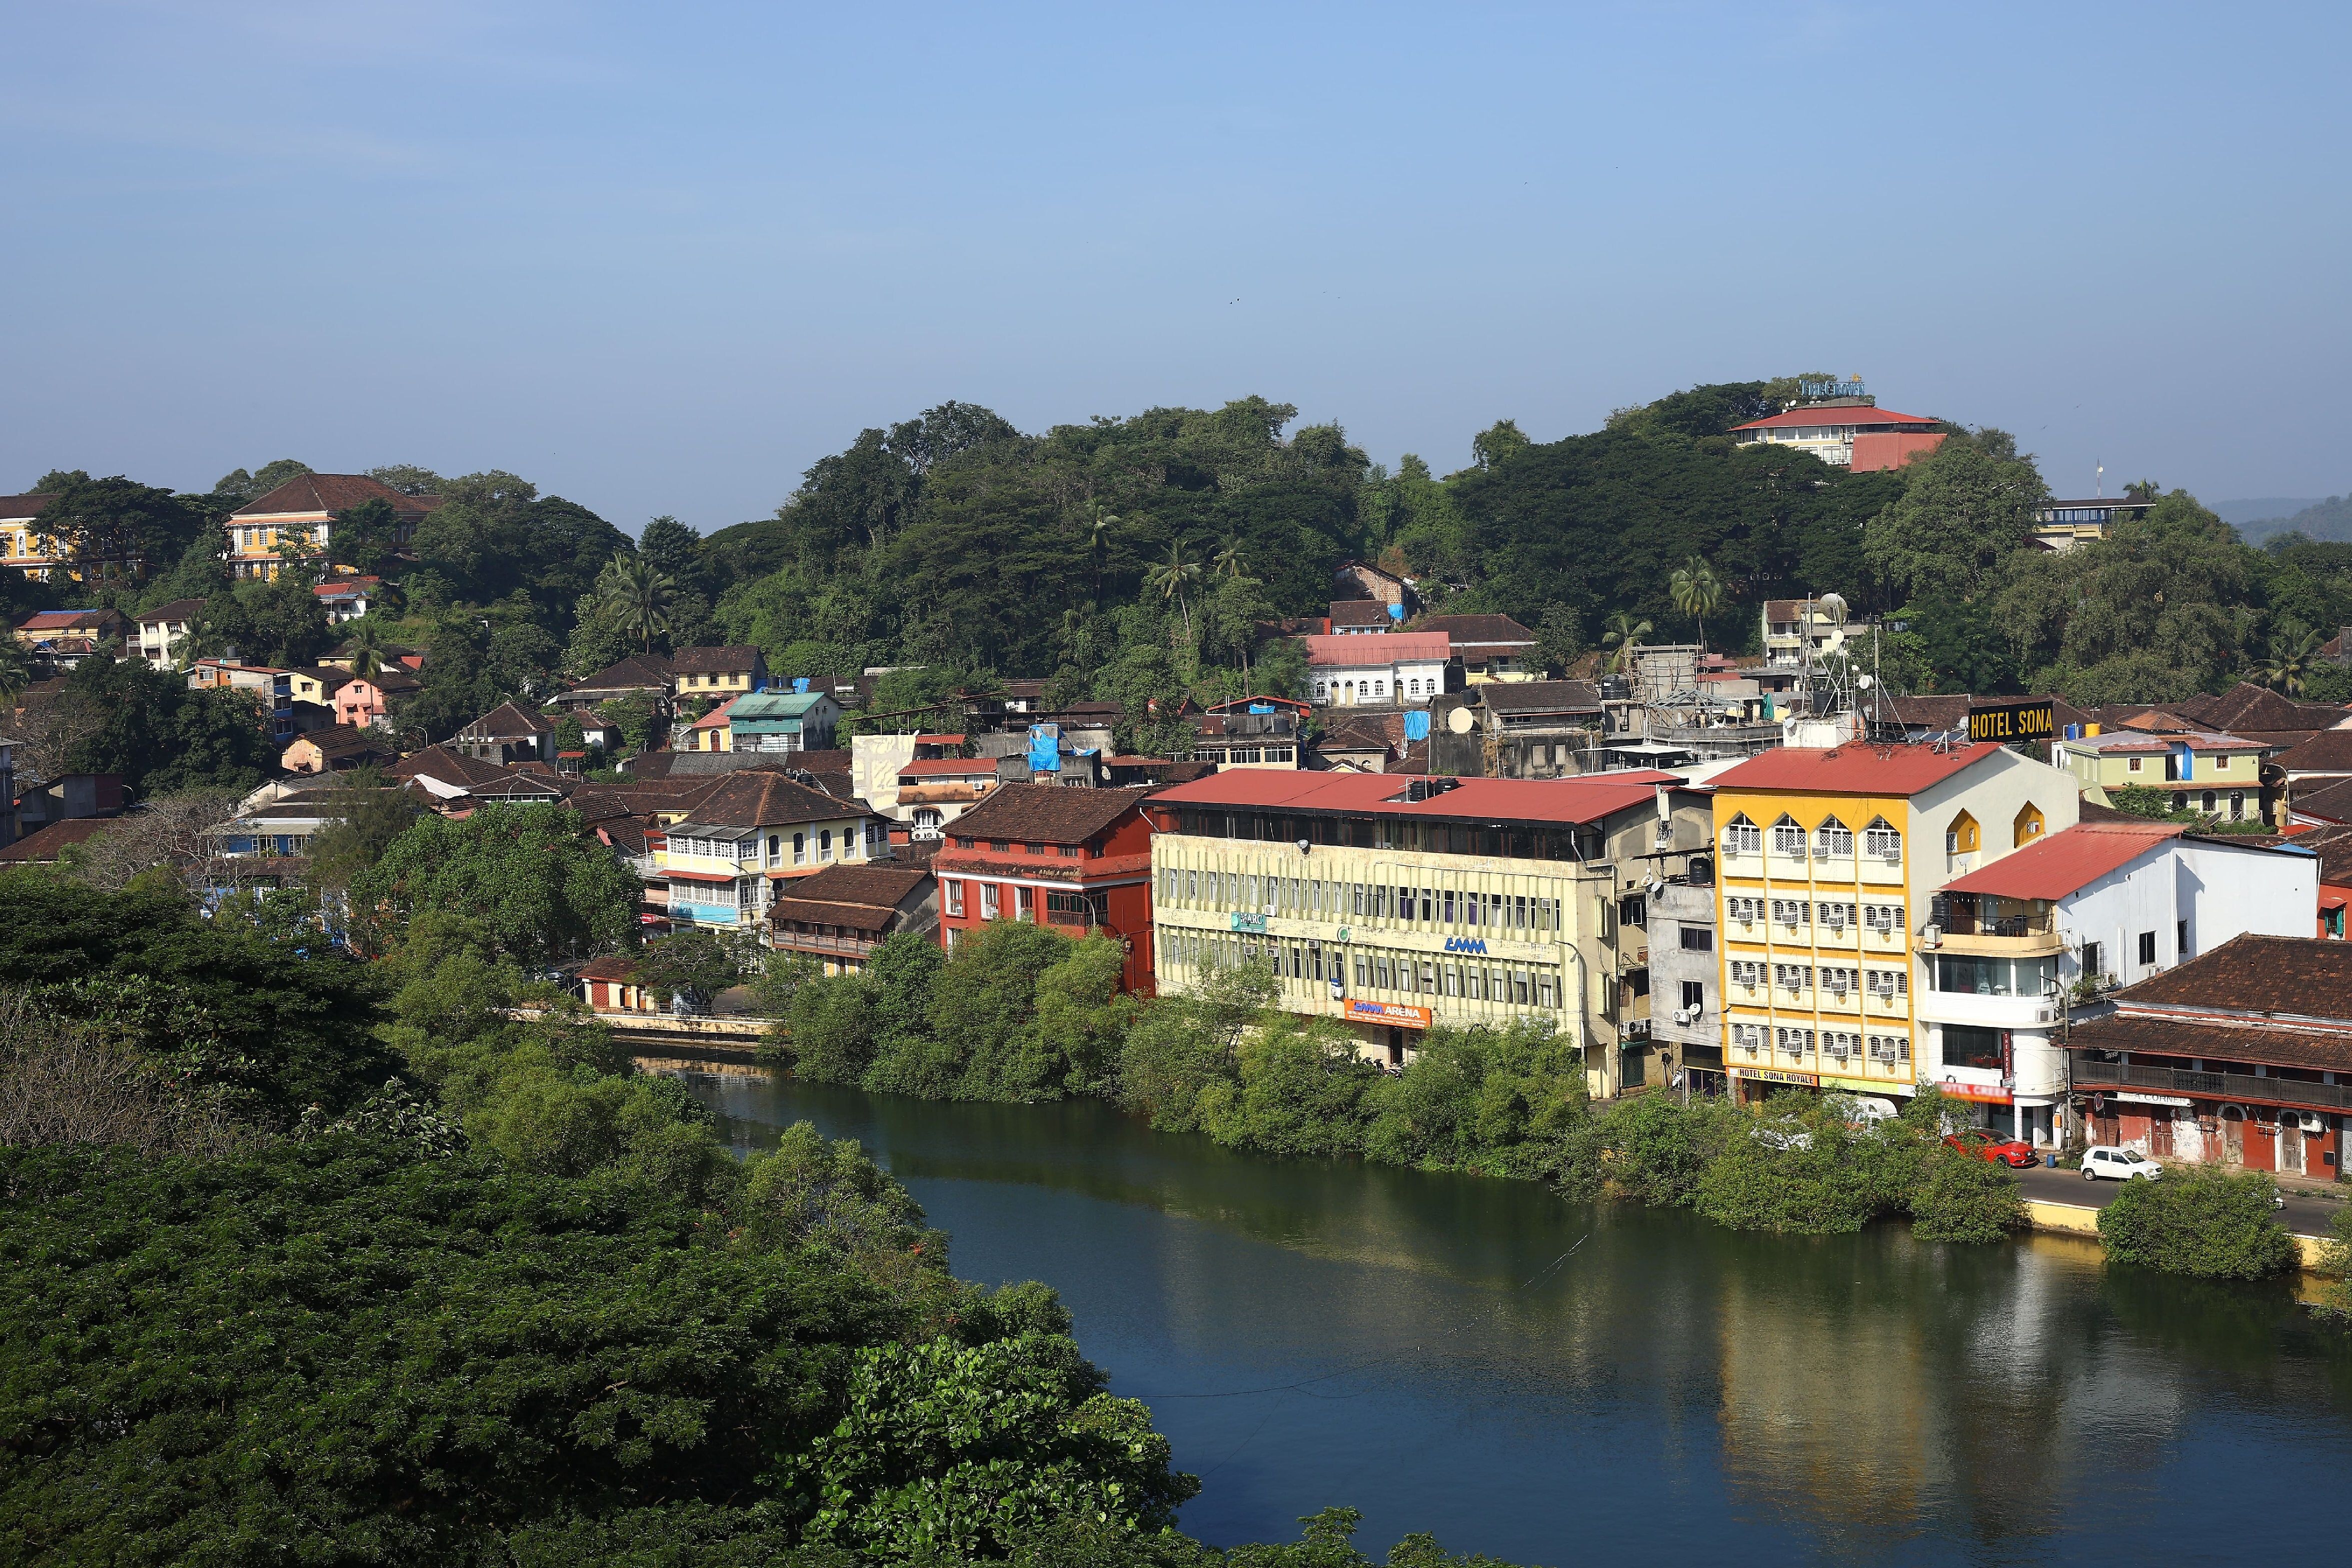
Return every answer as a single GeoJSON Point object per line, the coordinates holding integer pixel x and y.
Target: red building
{"type": "Point", "coordinates": [2239, 1057]}
{"type": "Point", "coordinates": [1072, 859]}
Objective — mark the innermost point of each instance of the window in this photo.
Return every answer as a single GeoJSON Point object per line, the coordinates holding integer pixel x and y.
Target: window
{"type": "Point", "coordinates": [1793, 978]}
{"type": "Point", "coordinates": [1021, 903]}
{"type": "Point", "coordinates": [2027, 826]}
{"type": "Point", "coordinates": [1792, 912]}
{"type": "Point", "coordinates": [1837, 980]}
{"type": "Point", "coordinates": [800, 848]}
{"type": "Point", "coordinates": [1788, 838]}
{"type": "Point", "coordinates": [1837, 916]}
{"type": "Point", "coordinates": [2206, 802]}
{"type": "Point", "coordinates": [824, 845]}
{"type": "Point", "coordinates": [775, 848]}
{"type": "Point", "coordinates": [1973, 1045]}
{"type": "Point", "coordinates": [1697, 939]}
{"type": "Point", "coordinates": [2134, 765]}
{"type": "Point", "coordinates": [1694, 995]}
{"type": "Point", "coordinates": [2180, 940]}
{"type": "Point", "coordinates": [1962, 836]}
{"type": "Point", "coordinates": [1746, 973]}
{"type": "Point", "coordinates": [1890, 1050]}
{"type": "Point", "coordinates": [1886, 919]}
{"type": "Point", "coordinates": [2148, 946]}
{"type": "Point", "coordinates": [953, 891]}
{"type": "Point", "coordinates": [988, 907]}
{"type": "Point", "coordinates": [1881, 841]}
{"type": "Point", "coordinates": [1887, 984]}
{"type": "Point", "coordinates": [2237, 805]}
{"type": "Point", "coordinates": [1742, 837]}
{"type": "Point", "coordinates": [1833, 838]}
{"type": "Point", "coordinates": [1748, 1036]}
{"type": "Point", "coordinates": [1747, 911]}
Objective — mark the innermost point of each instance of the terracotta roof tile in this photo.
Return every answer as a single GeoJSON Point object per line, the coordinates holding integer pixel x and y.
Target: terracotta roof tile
{"type": "Point", "coordinates": [334, 492]}
{"type": "Point", "coordinates": [713, 661]}
{"type": "Point", "coordinates": [2296, 975]}
{"type": "Point", "coordinates": [41, 846]}
{"type": "Point", "coordinates": [1048, 813]}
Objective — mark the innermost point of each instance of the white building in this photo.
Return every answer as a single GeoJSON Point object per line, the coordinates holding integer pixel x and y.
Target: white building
{"type": "Point", "coordinates": [2110, 902]}
{"type": "Point", "coordinates": [1399, 669]}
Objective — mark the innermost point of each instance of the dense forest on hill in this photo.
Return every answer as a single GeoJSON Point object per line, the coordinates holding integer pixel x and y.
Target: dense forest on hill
{"type": "Point", "coordinates": [1156, 556]}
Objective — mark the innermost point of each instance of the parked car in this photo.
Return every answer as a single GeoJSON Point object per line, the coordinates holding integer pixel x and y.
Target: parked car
{"type": "Point", "coordinates": [1984, 1144]}
{"type": "Point", "coordinates": [2118, 1165]}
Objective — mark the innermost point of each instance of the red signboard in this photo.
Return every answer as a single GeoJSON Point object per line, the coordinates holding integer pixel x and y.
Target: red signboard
{"type": "Point", "coordinates": [1402, 1014]}
{"type": "Point", "coordinates": [1953, 1088]}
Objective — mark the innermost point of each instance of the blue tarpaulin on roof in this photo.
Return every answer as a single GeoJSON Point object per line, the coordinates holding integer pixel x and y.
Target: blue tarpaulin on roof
{"type": "Point", "coordinates": [1416, 724]}
{"type": "Point", "coordinates": [1044, 749]}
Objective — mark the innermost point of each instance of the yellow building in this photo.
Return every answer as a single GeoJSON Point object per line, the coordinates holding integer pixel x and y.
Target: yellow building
{"type": "Point", "coordinates": [23, 544]}
{"type": "Point", "coordinates": [1396, 904]}
{"type": "Point", "coordinates": [300, 513]}
{"type": "Point", "coordinates": [1828, 860]}
{"type": "Point", "coordinates": [2219, 775]}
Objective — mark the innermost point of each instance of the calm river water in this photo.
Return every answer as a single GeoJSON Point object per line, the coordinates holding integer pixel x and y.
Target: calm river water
{"type": "Point", "coordinates": [1419, 1348]}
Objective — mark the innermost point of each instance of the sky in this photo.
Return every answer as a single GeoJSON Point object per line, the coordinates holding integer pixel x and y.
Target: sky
{"type": "Point", "coordinates": [659, 259]}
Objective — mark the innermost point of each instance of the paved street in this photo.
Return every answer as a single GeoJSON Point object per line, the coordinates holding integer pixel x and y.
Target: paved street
{"type": "Point", "coordinates": [2306, 1216]}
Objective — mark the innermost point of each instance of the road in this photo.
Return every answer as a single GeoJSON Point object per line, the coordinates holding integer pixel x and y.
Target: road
{"type": "Point", "coordinates": [2305, 1216]}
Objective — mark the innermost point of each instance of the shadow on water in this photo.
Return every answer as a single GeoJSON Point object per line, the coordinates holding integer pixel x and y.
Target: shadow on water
{"type": "Point", "coordinates": [1417, 1345]}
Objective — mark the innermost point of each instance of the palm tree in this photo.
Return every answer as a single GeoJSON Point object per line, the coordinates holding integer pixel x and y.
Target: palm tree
{"type": "Point", "coordinates": [1696, 590]}
{"type": "Point", "coordinates": [367, 647]}
{"type": "Point", "coordinates": [1099, 523]}
{"type": "Point", "coordinates": [1624, 634]}
{"type": "Point", "coordinates": [1175, 577]}
{"type": "Point", "coordinates": [2288, 669]}
{"type": "Point", "coordinates": [635, 593]}
{"type": "Point", "coordinates": [15, 671]}
{"type": "Point", "coordinates": [1228, 561]}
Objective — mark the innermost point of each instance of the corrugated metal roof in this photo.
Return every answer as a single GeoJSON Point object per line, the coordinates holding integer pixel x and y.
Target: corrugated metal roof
{"type": "Point", "coordinates": [1855, 769]}
{"type": "Point", "coordinates": [1586, 800]}
{"type": "Point", "coordinates": [2067, 861]}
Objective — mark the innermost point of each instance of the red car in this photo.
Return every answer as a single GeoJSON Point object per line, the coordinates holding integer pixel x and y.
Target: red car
{"type": "Point", "coordinates": [1983, 1143]}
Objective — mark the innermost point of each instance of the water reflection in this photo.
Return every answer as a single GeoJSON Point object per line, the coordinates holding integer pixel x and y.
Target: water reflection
{"type": "Point", "coordinates": [1545, 1381]}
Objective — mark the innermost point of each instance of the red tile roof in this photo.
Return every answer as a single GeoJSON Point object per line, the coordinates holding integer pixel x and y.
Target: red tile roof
{"type": "Point", "coordinates": [41, 846]}
{"type": "Point", "coordinates": [1046, 813]}
{"type": "Point", "coordinates": [2067, 861]}
{"type": "Point", "coordinates": [1855, 769]}
{"type": "Point", "coordinates": [2330, 752]}
{"type": "Point", "coordinates": [334, 493]}
{"type": "Point", "coordinates": [713, 661]}
{"type": "Point", "coordinates": [2292, 976]}
{"type": "Point", "coordinates": [1861, 417]}
{"type": "Point", "coordinates": [14, 506]}
{"type": "Point", "coordinates": [1355, 650]}
{"type": "Point", "coordinates": [1583, 799]}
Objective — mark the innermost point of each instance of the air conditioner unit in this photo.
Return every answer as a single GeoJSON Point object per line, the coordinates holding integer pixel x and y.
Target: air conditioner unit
{"type": "Point", "coordinates": [1686, 1015]}
{"type": "Point", "coordinates": [2310, 1122]}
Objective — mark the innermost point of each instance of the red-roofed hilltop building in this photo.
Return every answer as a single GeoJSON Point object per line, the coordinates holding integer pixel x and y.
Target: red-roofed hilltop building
{"type": "Point", "coordinates": [1391, 903]}
{"type": "Point", "coordinates": [1841, 424]}
{"type": "Point", "coordinates": [1400, 669]}
{"type": "Point", "coordinates": [1075, 860]}
{"type": "Point", "coordinates": [1829, 860]}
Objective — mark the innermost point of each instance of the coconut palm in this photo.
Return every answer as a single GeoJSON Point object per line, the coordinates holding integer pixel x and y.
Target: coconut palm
{"type": "Point", "coordinates": [1624, 634]}
{"type": "Point", "coordinates": [1175, 577]}
{"type": "Point", "coordinates": [635, 593]}
{"type": "Point", "coordinates": [1227, 561]}
{"type": "Point", "coordinates": [1099, 522]}
{"type": "Point", "coordinates": [15, 671]}
{"type": "Point", "coordinates": [2288, 669]}
{"type": "Point", "coordinates": [1696, 590]}
{"type": "Point", "coordinates": [367, 647]}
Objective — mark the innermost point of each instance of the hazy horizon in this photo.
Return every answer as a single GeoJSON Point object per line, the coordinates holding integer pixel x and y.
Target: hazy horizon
{"type": "Point", "coordinates": [661, 263]}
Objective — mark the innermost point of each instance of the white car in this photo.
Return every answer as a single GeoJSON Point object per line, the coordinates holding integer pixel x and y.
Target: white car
{"type": "Point", "coordinates": [2118, 1165]}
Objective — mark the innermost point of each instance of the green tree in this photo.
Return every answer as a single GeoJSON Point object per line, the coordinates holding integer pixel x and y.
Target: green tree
{"type": "Point", "coordinates": [116, 527]}
{"type": "Point", "coordinates": [363, 537]}
{"type": "Point", "coordinates": [636, 595]}
{"type": "Point", "coordinates": [1498, 443]}
{"type": "Point", "coordinates": [536, 877]}
{"type": "Point", "coordinates": [239, 487]}
{"type": "Point", "coordinates": [1696, 592]}
{"type": "Point", "coordinates": [366, 815]}
{"type": "Point", "coordinates": [1624, 633]}
{"type": "Point", "coordinates": [1964, 508]}
{"type": "Point", "coordinates": [691, 964]}
{"type": "Point", "coordinates": [2203, 1221]}
{"type": "Point", "coordinates": [1559, 639]}
{"type": "Point", "coordinates": [1174, 581]}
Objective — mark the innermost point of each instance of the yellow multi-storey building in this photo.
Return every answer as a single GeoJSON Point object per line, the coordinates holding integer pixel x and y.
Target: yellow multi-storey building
{"type": "Point", "coordinates": [1397, 904]}
{"type": "Point", "coordinates": [1828, 860]}
{"type": "Point", "coordinates": [301, 515]}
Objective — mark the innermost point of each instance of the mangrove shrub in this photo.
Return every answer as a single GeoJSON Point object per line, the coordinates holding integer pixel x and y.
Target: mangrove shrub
{"type": "Point", "coordinates": [2212, 1223]}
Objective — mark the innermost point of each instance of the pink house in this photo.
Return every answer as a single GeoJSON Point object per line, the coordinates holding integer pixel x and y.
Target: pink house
{"type": "Point", "coordinates": [367, 699]}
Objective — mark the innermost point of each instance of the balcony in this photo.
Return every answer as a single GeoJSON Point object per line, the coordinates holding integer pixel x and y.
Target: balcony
{"type": "Point", "coordinates": [1991, 927]}
{"type": "Point", "coordinates": [804, 942]}
{"type": "Point", "coordinates": [2213, 1086]}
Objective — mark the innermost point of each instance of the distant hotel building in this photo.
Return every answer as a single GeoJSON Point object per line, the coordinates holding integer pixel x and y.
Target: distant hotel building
{"type": "Point", "coordinates": [2062, 525]}
{"type": "Point", "coordinates": [1840, 423]}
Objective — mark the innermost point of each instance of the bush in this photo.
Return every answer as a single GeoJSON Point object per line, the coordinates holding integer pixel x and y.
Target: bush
{"type": "Point", "coordinates": [1301, 1092]}
{"type": "Point", "coordinates": [2211, 1223]}
{"type": "Point", "coordinates": [2334, 1303]}
{"type": "Point", "coordinates": [1653, 1149]}
{"type": "Point", "coordinates": [1502, 1103]}
{"type": "Point", "coordinates": [1961, 1199]}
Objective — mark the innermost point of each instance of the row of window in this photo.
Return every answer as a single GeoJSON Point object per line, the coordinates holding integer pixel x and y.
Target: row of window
{"type": "Point", "coordinates": [1885, 919]}
{"type": "Point", "coordinates": [1403, 973]}
{"type": "Point", "coordinates": [1832, 840]}
{"type": "Point", "coordinates": [746, 851]}
{"type": "Point", "coordinates": [1307, 898]}
{"type": "Point", "coordinates": [1244, 754]}
{"type": "Point", "coordinates": [1749, 974]}
{"type": "Point", "coordinates": [1840, 1045]}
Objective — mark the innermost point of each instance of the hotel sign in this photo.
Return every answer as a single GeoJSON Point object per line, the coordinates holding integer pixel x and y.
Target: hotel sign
{"type": "Point", "coordinates": [2003, 722]}
{"type": "Point", "coordinates": [1402, 1013]}
{"type": "Point", "coordinates": [1774, 1075]}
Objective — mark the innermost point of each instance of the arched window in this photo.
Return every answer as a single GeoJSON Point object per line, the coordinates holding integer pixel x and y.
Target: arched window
{"type": "Point", "coordinates": [1833, 838]}
{"type": "Point", "coordinates": [1742, 837]}
{"type": "Point", "coordinates": [800, 848]}
{"type": "Point", "coordinates": [2027, 826]}
{"type": "Point", "coordinates": [824, 845]}
{"type": "Point", "coordinates": [1961, 837]}
{"type": "Point", "coordinates": [1881, 839]}
{"type": "Point", "coordinates": [1788, 837]}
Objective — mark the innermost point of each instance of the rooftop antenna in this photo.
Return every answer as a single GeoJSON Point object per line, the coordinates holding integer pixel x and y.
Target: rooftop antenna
{"type": "Point", "coordinates": [2100, 492]}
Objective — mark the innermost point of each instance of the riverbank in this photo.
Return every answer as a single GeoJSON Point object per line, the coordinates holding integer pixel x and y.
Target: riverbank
{"type": "Point", "coordinates": [1427, 1346]}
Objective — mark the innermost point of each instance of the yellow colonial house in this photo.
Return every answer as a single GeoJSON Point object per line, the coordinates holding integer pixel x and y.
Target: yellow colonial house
{"type": "Point", "coordinates": [1829, 862]}
{"type": "Point", "coordinates": [300, 513]}
{"type": "Point", "coordinates": [2219, 775]}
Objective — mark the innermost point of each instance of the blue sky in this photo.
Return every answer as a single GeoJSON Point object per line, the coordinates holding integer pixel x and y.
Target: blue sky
{"type": "Point", "coordinates": [660, 258]}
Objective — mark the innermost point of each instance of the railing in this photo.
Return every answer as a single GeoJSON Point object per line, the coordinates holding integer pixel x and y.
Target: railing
{"type": "Point", "coordinates": [857, 946]}
{"type": "Point", "coordinates": [2222, 1085]}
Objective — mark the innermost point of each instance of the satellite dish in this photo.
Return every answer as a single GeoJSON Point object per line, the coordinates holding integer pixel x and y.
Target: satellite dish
{"type": "Point", "coordinates": [1833, 606]}
{"type": "Point", "coordinates": [1459, 721]}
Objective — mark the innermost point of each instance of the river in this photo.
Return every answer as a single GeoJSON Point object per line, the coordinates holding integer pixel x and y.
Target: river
{"type": "Point", "coordinates": [1555, 1383]}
